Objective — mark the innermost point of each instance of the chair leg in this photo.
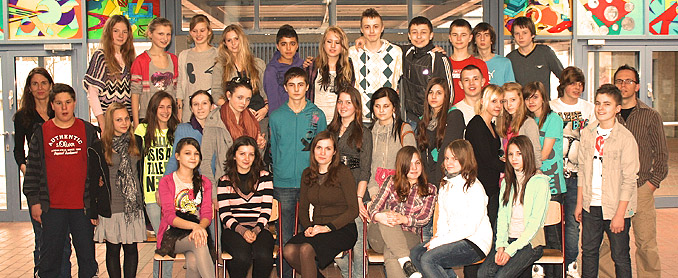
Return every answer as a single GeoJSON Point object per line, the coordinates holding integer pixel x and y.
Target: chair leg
{"type": "Point", "coordinates": [159, 269]}
{"type": "Point", "coordinates": [350, 263]}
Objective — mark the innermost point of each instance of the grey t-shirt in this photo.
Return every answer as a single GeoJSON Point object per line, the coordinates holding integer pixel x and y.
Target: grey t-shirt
{"type": "Point", "coordinates": [535, 66]}
{"type": "Point", "coordinates": [117, 200]}
{"type": "Point", "coordinates": [161, 79]}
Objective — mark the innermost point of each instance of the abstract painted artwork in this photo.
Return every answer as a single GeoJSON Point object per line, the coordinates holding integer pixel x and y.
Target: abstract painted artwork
{"type": "Point", "coordinates": [44, 19]}
{"type": "Point", "coordinates": [663, 17]}
{"type": "Point", "coordinates": [610, 17]}
{"type": "Point", "coordinates": [2, 25]}
{"type": "Point", "coordinates": [139, 12]}
{"type": "Point", "coordinates": [551, 17]}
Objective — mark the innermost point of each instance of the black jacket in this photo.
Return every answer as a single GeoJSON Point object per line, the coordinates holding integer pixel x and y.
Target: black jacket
{"type": "Point", "coordinates": [419, 66]}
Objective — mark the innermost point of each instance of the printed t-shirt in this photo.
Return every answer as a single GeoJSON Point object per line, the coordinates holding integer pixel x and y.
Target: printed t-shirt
{"type": "Point", "coordinates": [575, 118]}
{"type": "Point", "coordinates": [155, 161]}
{"type": "Point", "coordinates": [597, 178]}
{"type": "Point", "coordinates": [66, 164]}
{"type": "Point", "coordinates": [185, 200]}
{"type": "Point", "coordinates": [552, 166]}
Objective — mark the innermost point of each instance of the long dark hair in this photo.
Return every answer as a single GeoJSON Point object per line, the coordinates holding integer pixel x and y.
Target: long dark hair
{"type": "Point", "coordinates": [536, 87]}
{"type": "Point", "coordinates": [332, 170]}
{"type": "Point", "coordinates": [356, 138]}
{"type": "Point", "coordinates": [126, 50]}
{"type": "Point", "coordinates": [529, 169]}
{"type": "Point", "coordinates": [463, 152]}
{"type": "Point", "coordinates": [151, 119]}
{"type": "Point", "coordinates": [402, 167]}
{"type": "Point", "coordinates": [231, 167]}
{"type": "Point", "coordinates": [428, 116]}
{"type": "Point", "coordinates": [197, 178]}
{"type": "Point", "coordinates": [28, 99]}
{"type": "Point", "coordinates": [393, 97]}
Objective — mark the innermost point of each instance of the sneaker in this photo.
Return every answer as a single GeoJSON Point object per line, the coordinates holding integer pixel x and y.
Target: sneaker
{"type": "Point", "coordinates": [538, 271]}
{"type": "Point", "coordinates": [410, 270]}
{"type": "Point", "coordinates": [573, 270]}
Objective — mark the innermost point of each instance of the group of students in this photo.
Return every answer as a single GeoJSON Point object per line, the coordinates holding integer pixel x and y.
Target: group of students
{"type": "Point", "coordinates": [217, 129]}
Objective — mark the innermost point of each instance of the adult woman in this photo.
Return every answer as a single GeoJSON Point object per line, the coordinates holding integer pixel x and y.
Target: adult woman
{"type": "Point", "coordinates": [119, 202]}
{"type": "Point", "coordinates": [245, 197]}
{"type": "Point", "coordinates": [33, 111]}
{"type": "Point", "coordinates": [156, 132]}
{"type": "Point", "coordinates": [483, 136]}
{"type": "Point", "coordinates": [184, 206]}
{"type": "Point", "coordinates": [514, 117]}
{"type": "Point", "coordinates": [108, 75]}
{"type": "Point", "coordinates": [522, 210]}
{"type": "Point", "coordinates": [389, 134]}
{"type": "Point", "coordinates": [154, 70]}
{"type": "Point", "coordinates": [330, 72]}
{"type": "Point", "coordinates": [402, 207]}
{"type": "Point", "coordinates": [355, 151]}
{"type": "Point", "coordinates": [463, 232]}
{"type": "Point", "coordinates": [228, 123]}
{"type": "Point", "coordinates": [195, 65]}
{"type": "Point", "coordinates": [201, 105]}
{"type": "Point", "coordinates": [236, 60]}
{"type": "Point", "coordinates": [328, 186]}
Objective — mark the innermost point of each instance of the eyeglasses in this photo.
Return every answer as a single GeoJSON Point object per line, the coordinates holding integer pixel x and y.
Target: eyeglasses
{"type": "Point", "coordinates": [624, 81]}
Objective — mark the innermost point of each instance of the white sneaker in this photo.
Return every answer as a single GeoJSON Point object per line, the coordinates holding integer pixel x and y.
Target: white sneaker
{"type": "Point", "coordinates": [573, 270]}
{"type": "Point", "coordinates": [538, 271]}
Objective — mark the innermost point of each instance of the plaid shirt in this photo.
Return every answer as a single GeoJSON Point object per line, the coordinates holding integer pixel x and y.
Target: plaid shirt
{"type": "Point", "coordinates": [418, 209]}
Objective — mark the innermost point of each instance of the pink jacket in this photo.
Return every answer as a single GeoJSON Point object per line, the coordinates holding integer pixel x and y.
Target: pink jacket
{"type": "Point", "coordinates": [166, 190]}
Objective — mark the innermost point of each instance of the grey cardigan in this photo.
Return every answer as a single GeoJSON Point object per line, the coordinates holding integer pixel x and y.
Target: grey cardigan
{"type": "Point", "coordinates": [362, 173]}
{"type": "Point", "coordinates": [216, 140]}
{"type": "Point", "coordinates": [531, 130]}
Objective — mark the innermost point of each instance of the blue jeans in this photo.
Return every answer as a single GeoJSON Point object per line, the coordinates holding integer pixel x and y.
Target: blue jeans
{"type": "Point", "coordinates": [287, 199]}
{"type": "Point", "coordinates": [593, 227]}
{"type": "Point", "coordinates": [153, 211]}
{"type": "Point", "coordinates": [571, 225]}
{"type": "Point", "coordinates": [65, 260]}
{"type": "Point", "coordinates": [435, 262]}
{"type": "Point", "coordinates": [427, 231]}
{"type": "Point", "coordinates": [57, 224]}
{"type": "Point", "coordinates": [520, 262]}
{"type": "Point", "coordinates": [342, 263]}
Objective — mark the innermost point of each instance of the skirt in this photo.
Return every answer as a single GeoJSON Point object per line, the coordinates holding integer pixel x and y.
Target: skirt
{"type": "Point", "coordinates": [328, 245]}
{"type": "Point", "coordinates": [116, 230]}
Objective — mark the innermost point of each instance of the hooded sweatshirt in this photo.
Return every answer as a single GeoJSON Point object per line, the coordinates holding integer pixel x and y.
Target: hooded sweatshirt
{"type": "Point", "coordinates": [419, 66]}
{"type": "Point", "coordinates": [274, 77]}
{"type": "Point", "coordinates": [291, 137]}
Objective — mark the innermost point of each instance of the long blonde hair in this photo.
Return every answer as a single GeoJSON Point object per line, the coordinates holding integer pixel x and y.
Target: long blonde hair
{"type": "Point", "coordinates": [513, 122]}
{"type": "Point", "coordinates": [108, 134]}
{"type": "Point", "coordinates": [227, 58]}
{"type": "Point", "coordinates": [344, 67]}
{"type": "Point", "coordinates": [127, 49]}
{"type": "Point", "coordinates": [488, 92]}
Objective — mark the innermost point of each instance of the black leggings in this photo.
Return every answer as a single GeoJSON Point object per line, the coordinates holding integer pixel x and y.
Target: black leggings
{"type": "Point", "coordinates": [259, 253]}
{"type": "Point", "coordinates": [113, 260]}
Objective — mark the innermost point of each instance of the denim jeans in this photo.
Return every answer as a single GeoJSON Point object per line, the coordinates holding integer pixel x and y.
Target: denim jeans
{"type": "Point", "coordinates": [435, 262]}
{"type": "Point", "coordinates": [518, 264]}
{"type": "Point", "coordinates": [593, 227]}
{"type": "Point", "coordinates": [427, 231]}
{"type": "Point", "coordinates": [153, 211]}
{"type": "Point", "coordinates": [357, 267]}
{"type": "Point", "coordinates": [571, 225]}
{"type": "Point", "coordinates": [65, 260]}
{"type": "Point", "coordinates": [57, 224]}
{"type": "Point", "coordinates": [287, 199]}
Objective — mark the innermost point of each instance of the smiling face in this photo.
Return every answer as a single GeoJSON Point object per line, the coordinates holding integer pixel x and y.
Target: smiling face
{"type": "Point", "coordinates": [460, 37]}
{"type": "Point", "coordinates": [472, 82]}
{"type": "Point", "coordinates": [63, 106]}
{"type": "Point", "coordinates": [515, 157]}
{"type": "Point", "coordinates": [415, 168]}
{"type": "Point", "coordinates": [332, 45]}
{"type": "Point", "coordinates": [420, 35]}
{"type": "Point", "coordinates": [451, 163]}
{"type": "Point", "coordinates": [40, 87]}
{"type": "Point", "coordinates": [436, 97]}
{"type": "Point", "coordinates": [200, 33]}
{"type": "Point", "coordinates": [244, 157]}
{"type": "Point", "coordinates": [120, 34]}
{"type": "Point", "coordinates": [371, 27]}
{"type": "Point", "coordinates": [324, 151]}
{"type": "Point", "coordinates": [606, 108]}
{"type": "Point", "coordinates": [383, 109]}
{"type": "Point", "coordinates": [483, 40]}
{"type": "Point", "coordinates": [512, 101]}
{"type": "Point", "coordinates": [161, 36]}
{"type": "Point", "coordinates": [345, 106]}
{"type": "Point", "coordinates": [188, 157]}
{"type": "Point", "coordinates": [121, 122]}
{"type": "Point", "coordinates": [523, 36]}
{"type": "Point", "coordinates": [164, 111]}
{"type": "Point", "coordinates": [240, 99]}
{"type": "Point", "coordinates": [232, 42]}
{"type": "Point", "coordinates": [201, 106]}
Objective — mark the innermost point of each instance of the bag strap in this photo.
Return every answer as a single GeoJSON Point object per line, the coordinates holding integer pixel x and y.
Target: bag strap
{"type": "Point", "coordinates": [403, 134]}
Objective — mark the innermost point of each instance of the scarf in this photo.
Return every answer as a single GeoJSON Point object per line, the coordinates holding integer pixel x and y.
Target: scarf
{"type": "Point", "coordinates": [128, 184]}
{"type": "Point", "coordinates": [449, 176]}
{"type": "Point", "coordinates": [248, 123]}
{"type": "Point", "coordinates": [195, 124]}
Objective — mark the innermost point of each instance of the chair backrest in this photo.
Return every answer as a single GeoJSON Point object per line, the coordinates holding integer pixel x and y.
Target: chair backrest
{"type": "Point", "coordinates": [554, 214]}
{"type": "Point", "coordinates": [274, 211]}
{"type": "Point", "coordinates": [435, 219]}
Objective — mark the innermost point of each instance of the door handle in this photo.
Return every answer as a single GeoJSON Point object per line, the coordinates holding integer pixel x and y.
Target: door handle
{"type": "Point", "coordinates": [649, 92]}
{"type": "Point", "coordinates": [11, 99]}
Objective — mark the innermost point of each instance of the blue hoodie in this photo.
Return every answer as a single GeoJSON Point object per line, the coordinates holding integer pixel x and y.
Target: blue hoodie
{"type": "Point", "coordinates": [291, 137]}
{"type": "Point", "coordinates": [274, 77]}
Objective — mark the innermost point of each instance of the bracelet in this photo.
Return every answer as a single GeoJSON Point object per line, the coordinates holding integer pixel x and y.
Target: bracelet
{"type": "Point", "coordinates": [360, 197]}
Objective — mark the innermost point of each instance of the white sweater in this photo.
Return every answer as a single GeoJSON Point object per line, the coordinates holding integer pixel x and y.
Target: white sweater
{"type": "Point", "coordinates": [462, 215]}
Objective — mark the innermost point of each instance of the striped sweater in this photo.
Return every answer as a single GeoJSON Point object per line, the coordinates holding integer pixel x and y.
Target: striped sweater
{"type": "Point", "coordinates": [240, 212]}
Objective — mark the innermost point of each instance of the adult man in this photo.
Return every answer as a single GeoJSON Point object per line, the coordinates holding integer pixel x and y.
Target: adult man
{"type": "Point", "coordinates": [377, 64]}
{"type": "Point", "coordinates": [646, 126]}
{"type": "Point", "coordinates": [471, 83]}
{"type": "Point", "coordinates": [499, 68]}
{"type": "Point", "coordinates": [56, 185]}
{"type": "Point", "coordinates": [532, 62]}
{"type": "Point", "coordinates": [286, 57]}
{"type": "Point", "coordinates": [460, 37]}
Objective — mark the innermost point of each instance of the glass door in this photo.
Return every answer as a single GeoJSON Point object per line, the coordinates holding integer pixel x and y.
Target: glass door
{"type": "Point", "coordinates": [603, 62]}
{"type": "Point", "coordinates": [14, 70]}
{"type": "Point", "coordinates": [662, 88]}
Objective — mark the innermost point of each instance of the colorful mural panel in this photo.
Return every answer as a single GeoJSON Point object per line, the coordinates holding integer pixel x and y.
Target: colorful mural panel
{"type": "Point", "coordinates": [139, 12]}
{"type": "Point", "coordinates": [2, 25]}
{"type": "Point", "coordinates": [551, 17]}
{"type": "Point", "coordinates": [609, 17]}
{"type": "Point", "coordinates": [44, 19]}
{"type": "Point", "coordinates": [663, 17]}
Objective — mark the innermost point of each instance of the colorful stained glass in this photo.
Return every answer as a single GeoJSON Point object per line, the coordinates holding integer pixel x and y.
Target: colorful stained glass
{"type": "Point", "coordinates": [663, 17]}
{"type": "Point", "coordinates": [551, 17]}
{"type": "Point", "coordinates": [44, 19]}
{"type": "Point", "coordinates": [139, 12]}
{"type": "Point", "coordinates": [610, 17]}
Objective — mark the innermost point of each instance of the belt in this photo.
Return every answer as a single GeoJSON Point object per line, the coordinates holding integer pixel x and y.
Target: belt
{"type": "Point", "coordinates": [351, 162]}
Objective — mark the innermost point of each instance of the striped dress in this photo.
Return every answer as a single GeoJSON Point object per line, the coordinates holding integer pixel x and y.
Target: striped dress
{"type": "Point", "coordinates": [111, 88]}
{"type": "Point", "coordinates": [240, 212]}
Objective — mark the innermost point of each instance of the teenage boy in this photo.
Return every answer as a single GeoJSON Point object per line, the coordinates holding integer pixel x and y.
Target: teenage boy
{"type": "Point", "coordinates": [647, 128]}
{"type": "Point", "coordinates": [576, 114]}
{"type": "Point", "coordinates": [378, 63]}
{"type": "Point", "coordinates": [532, 62]}
{"type": "Point", "coordinates": [471, 83]}
{"type": "Point", "coordinates": [606, 199]}
{"type": "Point", "coordinates": [420, 64]}
{"type": "Point", "coordinates": [56, 185]}
{"type": "Point", "coordinates": [460, 38]}
{"type": "Point", "coordinates": [284, 58]}
{"type": "Point", "coordinates": [293, 127]}
{"type": "Point", "coordinates": [499, 68]}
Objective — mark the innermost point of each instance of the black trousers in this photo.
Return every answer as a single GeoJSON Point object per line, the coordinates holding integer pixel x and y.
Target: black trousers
{"type": "Point", "coordinates": [258, 254]}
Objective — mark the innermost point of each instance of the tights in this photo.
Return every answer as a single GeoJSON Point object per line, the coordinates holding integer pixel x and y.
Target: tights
{"type": "Point", "coordinates": [302, 258]}
{"type": "Point", "coordinates": [113, 260]}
